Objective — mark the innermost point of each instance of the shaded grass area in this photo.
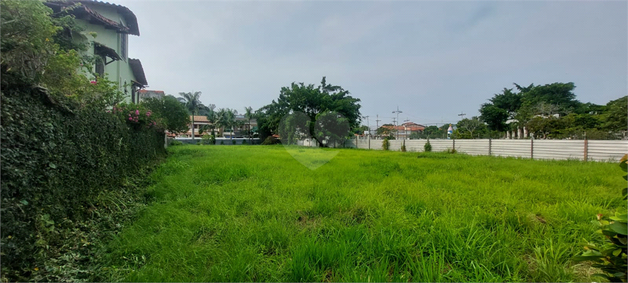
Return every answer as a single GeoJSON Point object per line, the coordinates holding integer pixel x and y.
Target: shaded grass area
{"type": "Point", "coordinates": [255, 213]}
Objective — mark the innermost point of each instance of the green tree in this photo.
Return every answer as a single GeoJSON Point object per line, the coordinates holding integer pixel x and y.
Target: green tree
{"type": "Point", "coordinates": [249, 114]}
{"type": "Point", "coordinates": [225, 119]}
{"type": "Point", "coordinates": [385, 130]}
{"type": "Point", "coordinates": [494, 117]}
{"type": "Point", "coordinates": [211, 118]}
{"type": "Point", "coordinates": [615, 116]}
{"type": "Point", "coordinates": [362, 129]}
{"type": "Point", "coordinates": [193, 104]}
{"type": "Point", "coordinates": [311, 101]}
{"type": "Point", "coordinates": [172, 113]}
{"type": "Point", "coordinates": [466, 127]}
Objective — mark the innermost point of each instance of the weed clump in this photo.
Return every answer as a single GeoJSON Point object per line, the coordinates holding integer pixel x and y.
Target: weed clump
{"type": "Point", "coordinates": [427, 147]}
{"type": "Point", "coordinates": [386, 144]}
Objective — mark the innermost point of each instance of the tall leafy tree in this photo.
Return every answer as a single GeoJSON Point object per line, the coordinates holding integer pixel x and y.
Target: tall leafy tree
{"type": "Point", "coordinates": [193, 104]}
{"type": "Point", "coordinates": [249, 116]}
{"type": "Point", "coordinates": [225, 119]}
{"type": "Point", "coordinates": [211, 118]}
{"type": "Point", "coordinates": [466, 127]}
{"type": "Point", "coordinates": [312, 101]}
{"type": "Point", "coordinates": [172, 113]}
{"type": "Point", "coordinates": [616, 115]}
{"type": "Point", "coordinates": [494, 116]}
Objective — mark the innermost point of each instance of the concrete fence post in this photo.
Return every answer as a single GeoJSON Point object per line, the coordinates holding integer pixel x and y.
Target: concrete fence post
{"type": "Point", "coordinates": [490, 145]}
{"type": "Point", "coordinates": [586, 149]}
{"type": "Point", "coordinates": [531, 148]}
{"type": "Point", "coordinates": [369, 141]}
{"type": "Point", "coordinates": [454, 144]}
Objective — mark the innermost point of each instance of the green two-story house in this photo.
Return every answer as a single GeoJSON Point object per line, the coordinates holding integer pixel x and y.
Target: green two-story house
{"type": "Point", "coordinates": [111, 24]}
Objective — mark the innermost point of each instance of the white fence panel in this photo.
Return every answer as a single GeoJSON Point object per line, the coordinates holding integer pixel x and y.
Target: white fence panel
{"type": "Point", "coordinates": [415, 145]}
{"type": "Point", "coordinates": [441, 145]}
{"type": "Point", "coordinates": [559, 149]}
{"type": "Point", "coordinates": [395, 145]}
{"type": "Point", "coordinates": [596, 150]}
{"type": "Point", "coordinates": [511, 148]}
{"type": "Point", "coordinates": [473, 147]}
{"type": "Point", "coordinates": [607, 150]}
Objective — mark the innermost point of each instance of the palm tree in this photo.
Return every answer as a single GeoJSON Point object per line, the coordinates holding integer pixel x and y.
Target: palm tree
{"type": "Point", "coordinates": [221, 120]}
{"type": "Point", "coordinates": [211, 118]}
{"type": "Point", "coordinates": [239, 124]}
{"type": "Point", "coordinates": [249, 115]}
{"type": "Point", "coordinates": [193, 104]}
{"type": "Point", "coordinates": [230, 118]}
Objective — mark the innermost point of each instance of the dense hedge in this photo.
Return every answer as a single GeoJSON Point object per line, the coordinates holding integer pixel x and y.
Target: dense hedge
{"type": "Point", "coordinates": [56, 160]}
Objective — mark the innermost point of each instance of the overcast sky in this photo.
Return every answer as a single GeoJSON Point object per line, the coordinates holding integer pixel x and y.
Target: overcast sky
{"type": "Point", "coordinates": [434, 60]}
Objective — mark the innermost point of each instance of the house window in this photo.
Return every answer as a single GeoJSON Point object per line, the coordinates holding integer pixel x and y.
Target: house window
{"type": "Point", "coordinates": [100, 66]}
{"type": "Point", "coordinates": [123, 46]}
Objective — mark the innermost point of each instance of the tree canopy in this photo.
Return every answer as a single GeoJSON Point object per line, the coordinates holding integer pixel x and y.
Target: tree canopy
{"type": "Point", "coordinates": [552, 111]}
{"type": "Point", "coordinates": [172, 113]}
{"type": "Point", "coordinates": [330, 103]}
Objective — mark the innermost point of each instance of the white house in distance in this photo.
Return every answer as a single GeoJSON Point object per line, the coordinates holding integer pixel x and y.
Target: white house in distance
{"type": "Point", "coordinates": [111, 24]}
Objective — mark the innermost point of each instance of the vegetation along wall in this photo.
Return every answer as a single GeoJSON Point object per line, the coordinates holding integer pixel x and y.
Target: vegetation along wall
{"type": "Point", "coordinates": [74, 159]}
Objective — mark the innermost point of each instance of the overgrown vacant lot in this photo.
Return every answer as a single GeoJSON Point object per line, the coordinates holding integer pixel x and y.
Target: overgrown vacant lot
{"type": "Point", "coordinates": [254, 213]}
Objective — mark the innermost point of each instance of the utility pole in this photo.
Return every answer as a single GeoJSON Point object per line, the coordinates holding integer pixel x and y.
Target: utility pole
{"type": "Point", "coordinates": [367, 124]}
{"type": "Point", "coordinates": [397, 132]}
{"type": "Point", "coordinates": [461, 115]}
{"type": "Point", "coordinates": [405, 131]}
{"type": "Point", "coordinates": [377, 123]}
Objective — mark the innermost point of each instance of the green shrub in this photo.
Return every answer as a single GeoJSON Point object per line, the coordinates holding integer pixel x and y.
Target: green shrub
{"type": "Point", "coordinates": [222, 142]}
{"type": "Point", "coordinates": [451, 150]}
{"type": "Point", "coordinates": [385, 144]}
{"type": "Point", "coordinates": [611, 256]}
{"type": "Point", "coordinates": [244, 142]}
{"type": "Point", "coordinates": [58, 159]}
{"type": "Point", "coordinates": [233, 142]}
{"type": "Point", "coordinates": [175, 143]}
{"type": "Point", "coordinates": [270, 140]}
{"type": "Point", "coordinates": [206, 139]}
{"type": "Point", "coordinates": [71, 172]}
{"type": "Point", "coordinates": [427, 147]}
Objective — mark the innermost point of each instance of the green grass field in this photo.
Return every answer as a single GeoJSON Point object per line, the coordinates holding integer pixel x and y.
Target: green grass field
{"type": "Point", "coordinates": [255, 213]}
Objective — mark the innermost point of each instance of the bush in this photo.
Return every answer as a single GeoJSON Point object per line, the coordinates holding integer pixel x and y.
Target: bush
{"type": "Point", "coordinates": [451, 150]}
{"type": "Point", "coordinates": [244, 142]}
{"type": "Point", "coordinates": [58, 160]}
{"type": "Point", "coordinates": [175, 143]}
{"type": "Point", "coordinates": [233, 142]}
{"type": "Point", "coordinates": [270, 140]}
{"type": "Point", "coordinates": [206, 139]}
{"type": "Point", "coordinates": [427, 147]}
{"type": "Point", "coordinates": [611, 256]}
{"type": "Point", "coordinates": [222, 142]}
{"type": "Point", "coordinates": [385, 144]}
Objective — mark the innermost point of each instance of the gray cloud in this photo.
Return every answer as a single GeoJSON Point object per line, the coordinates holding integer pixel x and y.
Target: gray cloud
{"type": "Point", "coordinates": [433, 59]}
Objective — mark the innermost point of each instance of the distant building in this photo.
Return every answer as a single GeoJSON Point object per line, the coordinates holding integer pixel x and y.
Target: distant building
{"type": "Point", "coordinates": [145, 93]}
{"type": "Point", "coordinates": [405, 130]}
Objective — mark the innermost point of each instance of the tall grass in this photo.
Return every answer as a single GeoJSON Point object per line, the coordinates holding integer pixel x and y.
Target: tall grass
{"type": "Point", "coordinates": [257, 214]}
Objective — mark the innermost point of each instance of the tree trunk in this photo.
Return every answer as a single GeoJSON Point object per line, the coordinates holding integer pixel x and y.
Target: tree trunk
{"type": "Point", "coordinates": [320, 144]}
{"type": "Point", "coordinates": [192, 125]}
